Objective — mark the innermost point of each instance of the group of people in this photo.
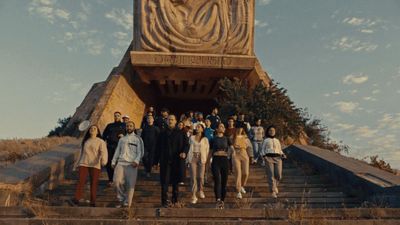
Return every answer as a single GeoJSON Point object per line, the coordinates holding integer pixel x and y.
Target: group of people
{"type": "Point", "coordinates": [193, 141]}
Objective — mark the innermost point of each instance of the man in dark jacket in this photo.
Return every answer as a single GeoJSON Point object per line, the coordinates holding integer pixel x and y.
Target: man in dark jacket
{"type": "Point", "coordinates": [150, 135]}
{"type": "Point", "coordinates": [214, 118]}
{"type": "Point", "coordinates": [172, 146]}
{"type": "Point", "coordinates": [150, 112]}
{"type": "Point", "coordinates": [161, 121]}
{"type": "Point", "coordinates": [112, 134]}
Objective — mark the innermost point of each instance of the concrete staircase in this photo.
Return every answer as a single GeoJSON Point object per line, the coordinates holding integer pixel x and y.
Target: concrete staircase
{"type": "Point", "coordinates": [305, 198]}
{"type": "Point", "coordinates": [298, 188]}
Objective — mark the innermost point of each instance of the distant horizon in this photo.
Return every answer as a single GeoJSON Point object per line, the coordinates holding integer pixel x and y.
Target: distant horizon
{"type": "Point", "coordinates": [338, 59]}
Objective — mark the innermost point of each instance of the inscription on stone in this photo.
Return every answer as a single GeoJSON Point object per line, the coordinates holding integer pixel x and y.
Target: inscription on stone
{"type": "Point", "coordinates": [192, 60]}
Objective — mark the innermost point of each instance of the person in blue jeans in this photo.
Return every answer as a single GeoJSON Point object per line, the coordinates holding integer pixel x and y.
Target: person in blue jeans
{"type": "Point", "coordinates": [257, 137]}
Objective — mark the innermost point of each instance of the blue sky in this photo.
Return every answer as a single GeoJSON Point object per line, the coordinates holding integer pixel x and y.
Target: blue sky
{"type": "Point", "coordinates": [338, 58]}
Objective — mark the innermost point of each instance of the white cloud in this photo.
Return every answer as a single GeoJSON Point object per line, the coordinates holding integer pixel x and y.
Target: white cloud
{"type": "Point", "coordinates": [94, 46]}
{"type": "Point", "coordinates": [116, 52]}
{"type": "Point", "coordinates": [369, 98]}
{"type": "Point", "coordinates": [48, 10]}
{"type": "Point", "coordinates": [376, 91]}
{"type": "Point", "coordinates": [351, 44]}
{"type": "Point", "coordinates": [354, 21]}
{"type": "Point", "coordinates": [344, 126]}
{"type": "Point", "coordinates": [390, 121]}
{"type": "Point", "coordinates": [63, 14]}
{"type": "Point", "coordinates": [353, 92]}
{"type": "Point", "coordinates": [355, 79]}
{"type": "Point", "coordinates": [346, 107]}
{"type": "Point", "coordinates": [121, 17]}
{"type": "Point", "coordinates": [87, 40]}
{"type": "Point", "coordinates": [365, 132]}
{"type": "Point", "coordinates": [264, 2]}
{"type": "Point", "coordinates": [367, 31]}
{"type": "Point", "coordinates": [260, 24]}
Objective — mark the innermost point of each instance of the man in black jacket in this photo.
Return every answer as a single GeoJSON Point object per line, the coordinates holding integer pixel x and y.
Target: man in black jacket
{"type": "Point", "coordinates": [161, 121]}
{"type": "Point", "coordinates": [150, 135]}
{"type": "Point", "coordinates": [172, 146]}
{"type": "Point", "coordinates": [112, 134]}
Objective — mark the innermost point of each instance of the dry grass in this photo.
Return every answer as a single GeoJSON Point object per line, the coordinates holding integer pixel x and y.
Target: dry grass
{"type": "Point", "coordinates": [245, 203]}
{"type": "Point", "coordinates": [13, 150]}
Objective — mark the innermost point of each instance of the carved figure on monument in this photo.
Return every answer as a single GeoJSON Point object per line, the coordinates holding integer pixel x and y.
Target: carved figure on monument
{"type": "Point", "coordinates": [197, 26]}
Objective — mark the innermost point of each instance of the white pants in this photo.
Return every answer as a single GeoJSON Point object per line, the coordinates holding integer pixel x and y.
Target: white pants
{"type": "Point", "coordinates": [125, 181]}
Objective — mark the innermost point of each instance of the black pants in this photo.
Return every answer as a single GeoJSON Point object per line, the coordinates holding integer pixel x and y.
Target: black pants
{"type": "Point", "coordinates": [220, 171]}
{"type": "Point", "coordinates": [149, 158]}
{"type": "Point", "coordinates": [182, 170]}
{"type": "Point", "coordinates": [169, 176]}
{"type": "Point", "coordinates": [110, 170]}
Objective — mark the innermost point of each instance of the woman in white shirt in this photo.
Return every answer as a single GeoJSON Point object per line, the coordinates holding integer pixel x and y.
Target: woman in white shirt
{"type": "Point", "coordinates": [272, 153]}
{"type": "Point", "coordinates": [92, 157]}
{"type": "Point", "coordinates": [197, 159]}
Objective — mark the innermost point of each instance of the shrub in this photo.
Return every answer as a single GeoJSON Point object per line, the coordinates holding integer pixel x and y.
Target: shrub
{"type": "Point", "coordinates": [274, 106]}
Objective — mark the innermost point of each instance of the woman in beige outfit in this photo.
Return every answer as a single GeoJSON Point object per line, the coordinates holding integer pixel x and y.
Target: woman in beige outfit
{"type": "Point", "coordinates": [241, 157]}
{"type": "Point", "coordinates": [197, 159]}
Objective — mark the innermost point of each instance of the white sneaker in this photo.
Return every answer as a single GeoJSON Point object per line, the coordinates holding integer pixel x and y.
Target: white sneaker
{"type": "Point", "coordinates": [274, 195]}
{"type": "Point", "coordinates": [239, 195]}
{"type": "Point", "coordinates": [242, 190]}
{"type": "Point", "coordinates": [194, 200]}
{"type": "Point", "coordinates": [201, 195]}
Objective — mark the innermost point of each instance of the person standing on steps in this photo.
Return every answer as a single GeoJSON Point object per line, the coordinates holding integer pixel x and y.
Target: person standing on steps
{"type": "Point", "coordinates": [92, 157]}
{"type": "Point", "coordinates": [199, 120]}
{"type": "Point", "coordinates": [126, 119]}
{"type": "Point", "coordinates": [221, 148]}
{"type": "Point", "coordinates": [257, 137]}
{"type": "Point", "coordinates": [209, 133]}
{"type": "Point", "coordinates": [126, 160]}
{"type": "Point", "coordinates": [150, 135]}
{"type": "Point", "coordinates": [172, 147]}
{"type": "Point", "coordinates": [112, 134]}
{"type": "Point", "coordinates": [162, 123]}
{"type": "Point", "coordinates": [214, 118]}
{"type": "Point", "coordinates": [241, 122]}
{"type": "Point", "coordinates": [272, 153]}
{"type": "Point", "coordinates": [230, 133]}
{"type": "Point", "coordinates": [197, 159]}
{"type": "Point", "coordinates": [149, 112]}
{"type": "Point", "coordinates": [241, 157]}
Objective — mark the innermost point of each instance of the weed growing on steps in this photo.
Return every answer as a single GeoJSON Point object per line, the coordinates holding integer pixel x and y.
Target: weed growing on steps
{"type": "Point", "coordinates": [245, 203]}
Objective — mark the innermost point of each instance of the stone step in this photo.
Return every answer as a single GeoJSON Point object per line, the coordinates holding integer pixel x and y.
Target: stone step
{"type": "Point", "coordinates": [246, 199]}
{"type": "Point", "coordinates": [265, 213]}
{"type": "Point", "coordinates": [184, 221]}
{"type": "Point", "coordinates": [70, 190]}
{"type": "Point", "coordinates": [112, 194]}
{"type": "Point", "coordinates": [231, 181]}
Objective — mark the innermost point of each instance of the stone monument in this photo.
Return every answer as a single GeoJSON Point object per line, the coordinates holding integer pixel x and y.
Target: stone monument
{"type": "Point", "coordinates": [180, 50]}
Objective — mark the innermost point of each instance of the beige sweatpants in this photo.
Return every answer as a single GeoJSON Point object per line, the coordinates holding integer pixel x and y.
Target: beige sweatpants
{"type": "Point", "coordinates": [197, 171]}
{"type": "Point", "coordinates": [241, 163]}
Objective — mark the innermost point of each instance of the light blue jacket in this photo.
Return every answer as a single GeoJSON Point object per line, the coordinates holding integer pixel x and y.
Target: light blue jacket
{"type": "Point", "coordinates": [130, 149]}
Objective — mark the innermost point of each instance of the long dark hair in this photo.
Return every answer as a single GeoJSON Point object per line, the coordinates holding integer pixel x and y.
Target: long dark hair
{"type": "Point", "coordinates": [202, 133]}
{"type": "Point", "coordinates": [87, 135]}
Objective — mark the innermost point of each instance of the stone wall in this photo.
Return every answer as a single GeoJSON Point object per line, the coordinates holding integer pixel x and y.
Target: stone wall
{"type": "Point", "coordinates": [119, 97]}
